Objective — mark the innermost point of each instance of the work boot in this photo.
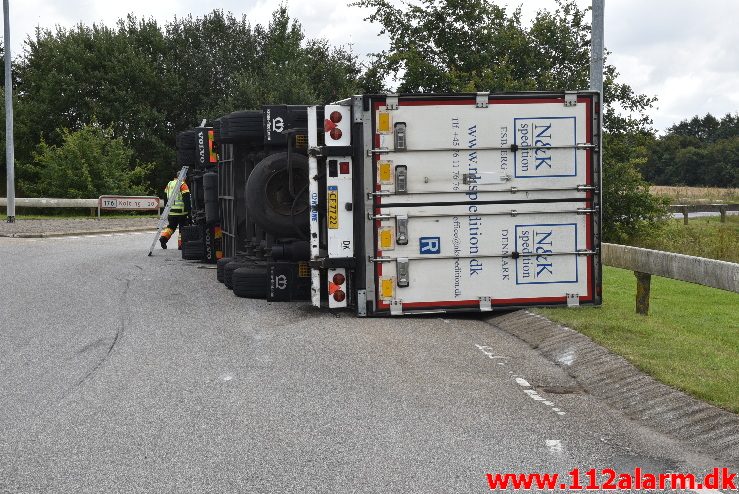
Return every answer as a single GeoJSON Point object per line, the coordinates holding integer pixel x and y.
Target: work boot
{"type": "Point", "coordinates": [163, 241]}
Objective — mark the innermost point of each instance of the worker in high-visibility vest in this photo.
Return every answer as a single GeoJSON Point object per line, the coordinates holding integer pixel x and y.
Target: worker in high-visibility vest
{"type": "Point", "coordinates": [178, 214]}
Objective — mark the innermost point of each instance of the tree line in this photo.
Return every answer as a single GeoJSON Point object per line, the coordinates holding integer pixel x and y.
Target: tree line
{"type": "Point", "coordinates": [118, 95]}
{"type": "Point", "coordinates": [701, 151]}
{"type": "Point", "coordinates": [139, 83]}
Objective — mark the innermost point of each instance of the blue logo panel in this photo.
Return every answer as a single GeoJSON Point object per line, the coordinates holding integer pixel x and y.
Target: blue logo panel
{"type": "Point", "coordinates": [536, 137]}
{"type": "Point", "coordinates": [543, 248]}
{"type": "Point", "coordinates": [430, 245]}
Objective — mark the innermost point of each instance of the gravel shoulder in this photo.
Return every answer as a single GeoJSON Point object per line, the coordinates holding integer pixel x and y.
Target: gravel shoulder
{"type": "Point", "coordinates": [71, 226]}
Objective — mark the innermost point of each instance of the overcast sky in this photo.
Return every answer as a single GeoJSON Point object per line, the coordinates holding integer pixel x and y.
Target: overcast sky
{"type": "Point", "coordinates": [683, 51]}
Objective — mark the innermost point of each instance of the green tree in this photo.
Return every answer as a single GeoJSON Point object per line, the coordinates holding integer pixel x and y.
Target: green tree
{"type": "Point", "coordinates": [701, 151]}
{"type": "Point", "coordinates": [145, 81]}
{"type": "Point", "coordinates": [475, 45]}
{"type": "Point", "coordinates": [88, 163]}
{"type": "Point", "coordinates": [629, 210]}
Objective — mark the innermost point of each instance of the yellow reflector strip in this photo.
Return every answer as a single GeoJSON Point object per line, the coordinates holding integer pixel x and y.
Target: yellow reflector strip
{"type": "Point", "coordinates": [385, 172]}
{"type": "Point", "coordinates": [386, 238]}
{"type": "Point", "coordinates": [387, 288]}
{"type": "Point", "coordinates": [384, 124]}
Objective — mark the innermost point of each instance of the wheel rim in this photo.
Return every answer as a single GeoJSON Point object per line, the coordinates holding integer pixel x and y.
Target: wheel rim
{"type": "Point", "coordinates": [278, 194]}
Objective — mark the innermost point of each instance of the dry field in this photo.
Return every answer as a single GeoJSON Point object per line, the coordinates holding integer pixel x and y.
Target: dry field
{"type": "Point", "coordinates": [696, 195]}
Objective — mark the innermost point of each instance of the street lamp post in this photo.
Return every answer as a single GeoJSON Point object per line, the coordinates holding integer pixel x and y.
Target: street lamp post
{"type": "Point", "coordinates": [596, 47]}
{"type": "Point", "coordinates": [9, 142]}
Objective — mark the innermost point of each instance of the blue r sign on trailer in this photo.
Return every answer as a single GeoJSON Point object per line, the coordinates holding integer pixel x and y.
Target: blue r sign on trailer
{"type": "Point", "coordinates": [430, 245]}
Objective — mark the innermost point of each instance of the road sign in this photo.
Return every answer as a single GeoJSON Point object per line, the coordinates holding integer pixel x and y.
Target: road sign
{"type": "Point", "coordinates": [128, 203]}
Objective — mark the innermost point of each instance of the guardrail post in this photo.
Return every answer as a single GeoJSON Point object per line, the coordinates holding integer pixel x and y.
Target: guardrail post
{"type": "Point", "coordinates": [722, 210]}
{"type": "Point", "coordinates": [643, 286]}
{"type": "Point", "coordinates": [685, 215]}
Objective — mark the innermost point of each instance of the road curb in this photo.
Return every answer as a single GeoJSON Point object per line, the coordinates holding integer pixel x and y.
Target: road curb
{"type": "Point", "coordinates": [607, 376]}
{"type": "Point", "coordinates": [73, 234]}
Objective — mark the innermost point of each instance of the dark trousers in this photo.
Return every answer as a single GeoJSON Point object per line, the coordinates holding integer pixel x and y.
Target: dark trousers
{"type": "Point", "coordinates": [175, 220]}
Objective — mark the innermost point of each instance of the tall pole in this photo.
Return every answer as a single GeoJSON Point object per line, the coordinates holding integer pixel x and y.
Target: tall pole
{"type": "Point", "coordinates": [9, 142]}
{"type": "Point", "coordinates": [596, 47]}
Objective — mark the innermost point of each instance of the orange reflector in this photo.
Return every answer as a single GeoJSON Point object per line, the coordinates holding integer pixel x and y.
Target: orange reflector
{"type": "Point", "coordinates": [385, 171]}
{"type": "Point", "coordinates": [332, 287]}
{"type": "Point", "coordinates": [328, 125]}
{"type": "Point", "coordinates": [386, 238]}
{"type": "Point", "coordinates": [388, 288]}
{"type": "Point", "coordinates": [384, 122]}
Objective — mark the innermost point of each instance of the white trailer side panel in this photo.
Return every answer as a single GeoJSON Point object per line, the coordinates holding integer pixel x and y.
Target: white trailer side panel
{"type": "Point", "coordinates": [483, 205]}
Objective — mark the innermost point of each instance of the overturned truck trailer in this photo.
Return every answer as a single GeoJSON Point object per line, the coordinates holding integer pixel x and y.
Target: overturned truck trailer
{"type": "Point", "coordinates": [448, 203]}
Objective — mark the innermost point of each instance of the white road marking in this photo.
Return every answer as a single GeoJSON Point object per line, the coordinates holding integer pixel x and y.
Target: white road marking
{"type": "Point", "coordinates": [554, 445]}
{"type": "Point", "coordinates": [528, 389]}
{"type": "Point", "coordinates": [226, 376]}
{"type": "Point", "coordinates": [490, 353]}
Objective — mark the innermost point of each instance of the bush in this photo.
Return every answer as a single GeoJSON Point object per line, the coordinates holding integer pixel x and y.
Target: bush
{"type": "Point", "coordinates": [89, 163]}
{"type": "Point", "coordinates": [629, 210]}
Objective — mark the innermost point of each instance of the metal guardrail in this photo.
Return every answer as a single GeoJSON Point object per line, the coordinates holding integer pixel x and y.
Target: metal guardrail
{"type": "Point", "coordinates": [35, 202]}
{"type": "Point", "coordinates": [646, 262]}
{"type": "Point", "coordinates": [685, 209]}
{"type": "Point", "coordinates": [95, 205]}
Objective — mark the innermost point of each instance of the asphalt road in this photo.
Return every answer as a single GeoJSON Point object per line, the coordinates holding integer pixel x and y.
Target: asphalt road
{"type": "Point", "coordinates": [124, 373]}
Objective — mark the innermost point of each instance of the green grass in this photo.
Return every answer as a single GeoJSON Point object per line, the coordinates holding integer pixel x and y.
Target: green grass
{"type": "Point", "coordinates": [689, 340]}
{"type": "Point", "coordinates": [696, 195]}
{"type": "Point", "coordinates": [703, 237]}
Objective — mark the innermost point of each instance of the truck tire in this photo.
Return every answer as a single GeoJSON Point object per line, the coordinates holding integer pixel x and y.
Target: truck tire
{"type": "Point", "coordinates": [191, 232]}
{"type": "Point", "coordinates": [250, 282]}
{"type": "Point", "coordinates": [268, 200]}
{"type": "Point", "coordinates": [186, 157]}
{"type": "Point", "coordinates": [210, 191]}
{"type": "Point", "coordinates": [187, 140]}
{"type": "Point", "coordinates": [228, 271]}
{"type": "Point", "coordinates": [220, 265]}
{"type": "Point", "coordinates": [193, 250]}
{"type": "Point", "coordinates": [245, 126]}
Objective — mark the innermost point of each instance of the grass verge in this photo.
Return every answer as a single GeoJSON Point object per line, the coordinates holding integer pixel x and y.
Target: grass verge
{"type": "Point", "coordinates": [690, 340]}
{"type": "Point", "coordinates": [696, 195]}
{"type": "Point", "coordinates": [703, 237]}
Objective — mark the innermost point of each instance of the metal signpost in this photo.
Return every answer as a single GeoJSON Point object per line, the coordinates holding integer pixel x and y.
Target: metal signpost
{"type": "Point", "coordinates": [170, 201]}
{"type": "Point", "coordinates": [596, 47]}
{"type": "Point", "coordinates": [9, 142]}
